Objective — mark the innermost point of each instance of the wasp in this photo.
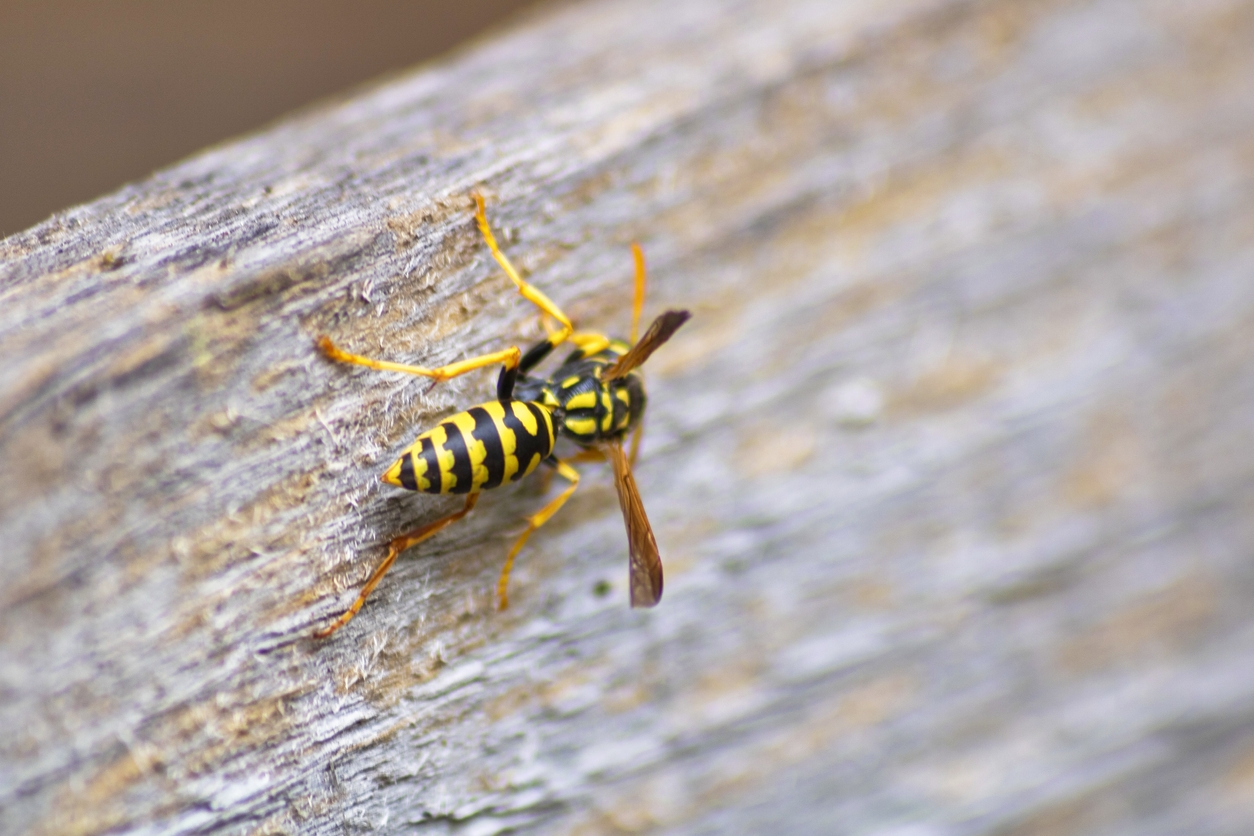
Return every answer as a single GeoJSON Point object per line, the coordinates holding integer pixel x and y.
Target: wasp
{"type": "Point", "coordinates": [595, 398]}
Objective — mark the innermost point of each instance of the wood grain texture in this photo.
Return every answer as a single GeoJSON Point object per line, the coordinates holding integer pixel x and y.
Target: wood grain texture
{"type": "Point", "coordinates": [951, 469]}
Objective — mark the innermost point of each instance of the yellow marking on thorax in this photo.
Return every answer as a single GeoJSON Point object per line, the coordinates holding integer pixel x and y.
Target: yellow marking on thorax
{"type": "Point", "coordinates": [582, 426]}
{"type": "Point", "coordinates": [571, 381]}
{"type": "Point", "coordinates": [623, 421]}
{"type": "Point", "coordinates": [585, 400]}
{"type": "Point", "coordinates": [607, 421]}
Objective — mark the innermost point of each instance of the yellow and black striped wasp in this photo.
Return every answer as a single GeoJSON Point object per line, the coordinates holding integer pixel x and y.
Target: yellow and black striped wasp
{"type": "Point", "coordinates": [595, 399]}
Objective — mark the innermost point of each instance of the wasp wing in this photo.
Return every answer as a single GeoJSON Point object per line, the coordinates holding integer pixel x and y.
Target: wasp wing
{"type": "Point", "coordinates": [645, 567]}
{"type": "Point", "coordinates": [659, 332]}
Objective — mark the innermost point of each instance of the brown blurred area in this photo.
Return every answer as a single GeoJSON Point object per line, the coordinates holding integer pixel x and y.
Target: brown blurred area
{"type": "Point", "coordinates": [94, 94]}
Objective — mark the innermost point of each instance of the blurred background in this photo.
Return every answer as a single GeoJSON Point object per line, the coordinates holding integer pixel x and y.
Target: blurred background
{"type": "Point", "coordinates": [98, 94]}
{"type": "Point", "coordinates": [951, 468]}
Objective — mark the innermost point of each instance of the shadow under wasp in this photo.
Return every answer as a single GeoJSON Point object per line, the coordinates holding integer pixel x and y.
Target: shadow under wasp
{"type": "Point", "coordinates": [595, 398]}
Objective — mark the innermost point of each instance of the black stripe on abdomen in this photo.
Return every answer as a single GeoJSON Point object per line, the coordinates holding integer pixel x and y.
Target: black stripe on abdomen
{"type": "Point", "coordinates": [427, 453]}
{"type": "Point", "coordinates": [462, 470]}
{"type": "Point", "coordinates": [407, 472]}
{"type": "Point", "coordinates": [487, 432]}
{"type": "Point", "coordinates": [526, 445]}
{"type": "Point", "coordinates": [544, 428]}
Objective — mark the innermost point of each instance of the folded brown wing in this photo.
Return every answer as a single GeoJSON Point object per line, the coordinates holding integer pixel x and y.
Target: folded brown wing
{"type": "Point", "coordinates": [645, 567]}
{"type": "Point", "coordinates": [659, 332]}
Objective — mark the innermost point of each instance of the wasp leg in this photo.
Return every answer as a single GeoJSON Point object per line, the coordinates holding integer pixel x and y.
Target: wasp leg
{"type": "Point", "coordinates": [398, 545]}
{"type": "Point", "coordinates": [586, 455]}
{"type": "Point", "coordinates": [590, 454]}
{"type": "Point", "coordinates": [589, 342]}
{"type": "Point", "coordinates": [528, 291]}
{"type": "Point", "coordinates": [534, 356]}
{"type": "Point", "coordinates": [533, 522]}
{"type": "Point", "coordinates": [546, 322]}
{"type": "Point", "coordinates": [637, 304]}
{"type": "Point", "coordinates": [509, 357]}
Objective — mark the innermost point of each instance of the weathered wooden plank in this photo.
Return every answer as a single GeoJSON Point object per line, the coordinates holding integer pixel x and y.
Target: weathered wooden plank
{"type": "Point", "coordinates": [950, 469]}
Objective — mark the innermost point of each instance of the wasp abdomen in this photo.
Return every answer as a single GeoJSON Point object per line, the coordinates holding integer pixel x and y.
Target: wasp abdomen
{"type": "Point", "coordinates": [477, 449]}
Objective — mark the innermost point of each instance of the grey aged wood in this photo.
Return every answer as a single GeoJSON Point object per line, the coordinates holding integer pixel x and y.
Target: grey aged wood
{"type": "Point", "coordinates": [951, 469]}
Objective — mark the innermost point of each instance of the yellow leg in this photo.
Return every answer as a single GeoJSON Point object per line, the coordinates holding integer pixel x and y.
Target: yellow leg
{"type": "Point", "coordinates": [508, 357]}
{"type": "Point", "coordinates": [533, 522]}
{"type": "Point", "coordinates": [397, 546]}
{"type": "Point", "coordinates": [638, 303]}
{"type": "Point", "coordinates": [589, 342]}
{"type": "Point", "coordinates": [549, 328]}
{"type": "Point", "coordinates": [590, 454]}
{"type": "Point", "coordinates": [636, 307]}
{"type": "Point", "coordinates": [529, 292]}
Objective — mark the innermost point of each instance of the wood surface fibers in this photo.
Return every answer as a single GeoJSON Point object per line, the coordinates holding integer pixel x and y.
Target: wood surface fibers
{"type": "Point", "coordinates": [951, 469]}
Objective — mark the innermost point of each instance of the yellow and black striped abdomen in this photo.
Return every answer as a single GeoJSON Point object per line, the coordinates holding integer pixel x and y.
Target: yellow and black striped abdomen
{"type": "Point", "coordinates": [476, 449]}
